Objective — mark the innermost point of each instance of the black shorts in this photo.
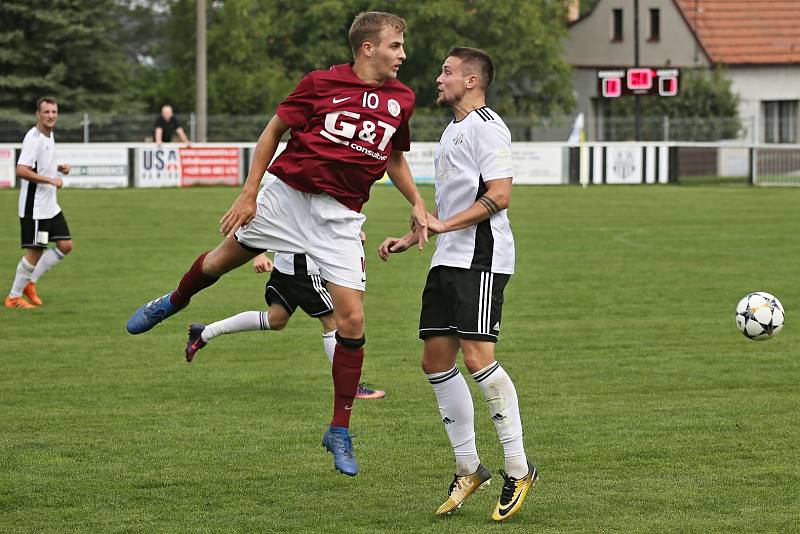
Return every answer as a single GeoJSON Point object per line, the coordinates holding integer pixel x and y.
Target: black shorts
{"type": "Point", "coordinates": [36, 233]}
{"type": "Point", "coordinates": [462, 302]}
{"type": "Point", "coordinates": [306, 291]}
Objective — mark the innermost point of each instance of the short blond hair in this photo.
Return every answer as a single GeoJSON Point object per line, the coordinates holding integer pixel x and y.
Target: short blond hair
{"type": "Point", "coordinates": [367, 27]}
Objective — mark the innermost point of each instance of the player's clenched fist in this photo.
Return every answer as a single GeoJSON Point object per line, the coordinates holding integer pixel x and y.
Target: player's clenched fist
{"type": "Point", "coordinates": [263, 264]}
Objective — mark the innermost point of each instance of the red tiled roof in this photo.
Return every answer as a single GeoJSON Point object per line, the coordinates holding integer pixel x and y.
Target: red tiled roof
{"type": "Point", "coordinates": [746, 31]}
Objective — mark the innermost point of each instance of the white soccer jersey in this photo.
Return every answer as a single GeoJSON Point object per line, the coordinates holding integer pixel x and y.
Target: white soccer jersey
{"type": "Point", "coordinates": [38, 201]}
{"type": "Point", "coordinates": [292, 264]}
{"type": "Point", "coordinates": [471, 152]}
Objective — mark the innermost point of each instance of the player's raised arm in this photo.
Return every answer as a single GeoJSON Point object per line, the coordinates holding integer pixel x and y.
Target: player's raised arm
{"type": "Point", "coordinates": [244, 207]}
{"type": "Point", "coordinates": [400, 174]}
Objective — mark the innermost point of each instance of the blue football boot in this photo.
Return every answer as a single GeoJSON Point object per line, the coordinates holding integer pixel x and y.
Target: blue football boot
{"type": "Point", "coordinates": [337, 441]}
{"type": "Point", "coordinates": [150, 314]}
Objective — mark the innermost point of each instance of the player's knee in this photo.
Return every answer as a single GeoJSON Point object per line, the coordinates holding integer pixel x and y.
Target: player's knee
{"type": "Point", "coordinates": [349, 342]}
{"type": "Point", "coordinates": [223, 259]}
{"type": "Point", "coordinates": [210, 263]}
{"type": "Point", "coordinates": [328, 322]}
{"type": "Point", "coordinates": [474, 362]}
{"type": "Point", "coordinates": [277, 323]}
{"type": "Point", "coordinates": [64, 247]}
{"type": "Point", "coordinates": [431, 363]}
{"type": "Point", "coordinates": [33, 255]}
{"type": "Point", "coordinates": [277, 316]}
{"type": "Point", "coordinates": [428, 366]}
{"type": "Point", "coordinates": [351, 326]}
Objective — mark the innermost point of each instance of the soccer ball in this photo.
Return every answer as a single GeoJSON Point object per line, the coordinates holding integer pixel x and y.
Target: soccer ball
{"type": "Point", "coordinates": [759, 316]}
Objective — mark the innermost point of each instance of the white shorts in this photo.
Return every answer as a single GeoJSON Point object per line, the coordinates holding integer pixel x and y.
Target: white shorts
{"type": "Point", "coordinates": [293, 222]}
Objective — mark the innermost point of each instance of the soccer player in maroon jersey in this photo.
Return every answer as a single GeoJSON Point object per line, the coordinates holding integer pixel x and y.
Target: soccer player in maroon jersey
{"type": "Point", "coordinates": [349, 125]}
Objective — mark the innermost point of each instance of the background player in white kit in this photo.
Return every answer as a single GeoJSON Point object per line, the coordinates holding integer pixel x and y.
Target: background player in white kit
{"type": "Point", "coordinates": [40, 217]}
{"type": "Point", "coordinates": [295, 282]}
{"type": "Point", "coordinates": [463, 296]}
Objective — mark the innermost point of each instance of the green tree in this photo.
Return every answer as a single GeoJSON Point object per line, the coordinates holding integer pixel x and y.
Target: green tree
{"type": "Point", "coordinates": [259, 49]}
{"type": "Point", "coordinates": [523, 37]}
{"type": "Point", "coordinates": [63, 48]}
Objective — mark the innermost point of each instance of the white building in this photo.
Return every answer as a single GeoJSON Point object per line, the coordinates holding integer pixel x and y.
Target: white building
{"type": "Point", "coordinates": [758, 42]}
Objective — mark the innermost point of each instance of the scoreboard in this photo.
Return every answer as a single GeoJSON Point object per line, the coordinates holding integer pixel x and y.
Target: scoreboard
{"type": "Point", "coordinates": [612, 83]}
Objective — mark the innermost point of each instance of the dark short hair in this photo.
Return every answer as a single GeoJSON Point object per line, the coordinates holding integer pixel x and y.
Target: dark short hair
{"type": "Point", "coordinates": [477, 59]}
{"type": "Point", "coordinates": [367, 26]}
{"type": "Point", "coordinates": [45, 99]}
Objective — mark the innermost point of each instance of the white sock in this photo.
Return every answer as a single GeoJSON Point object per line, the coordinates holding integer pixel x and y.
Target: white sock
{"type": "Point", "coordinates": [501, 399]}
{"type": "Point", "coordinates": [329, 342]}
{"type": "Point", "coordinates": [48, 260]}
{"type": "Point", "coordinates": [243, 322]}
{"type": "Point", "coordinates": [458, 416]}
{"type": "Point", "coordinates": [22, 277]}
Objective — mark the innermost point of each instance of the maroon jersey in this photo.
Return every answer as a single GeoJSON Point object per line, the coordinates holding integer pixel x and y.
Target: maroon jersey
{"type": "Point", "coordinates": [343, 131]}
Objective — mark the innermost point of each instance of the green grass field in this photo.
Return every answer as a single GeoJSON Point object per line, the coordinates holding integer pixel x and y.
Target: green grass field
{"type": "Point", "coordinates": [644, 408]}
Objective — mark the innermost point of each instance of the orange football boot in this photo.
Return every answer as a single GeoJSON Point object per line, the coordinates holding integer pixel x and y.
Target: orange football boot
{"type": "Point", "coordinates": [18, 302]}
{"type": "Point", "coordinates": [30, 292]}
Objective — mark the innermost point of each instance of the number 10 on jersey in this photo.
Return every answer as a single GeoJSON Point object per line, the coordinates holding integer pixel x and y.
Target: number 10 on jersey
{"type": "Point", "coordinates": [370, 101]}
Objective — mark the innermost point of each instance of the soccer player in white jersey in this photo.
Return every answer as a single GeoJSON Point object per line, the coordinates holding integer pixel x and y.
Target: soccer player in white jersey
{"type": "Point", "coordinates": [295, 282]}
{"type": "Point", "coordinates": [463, 296]}
{"type": "Point", "coordinates": [40, 217]}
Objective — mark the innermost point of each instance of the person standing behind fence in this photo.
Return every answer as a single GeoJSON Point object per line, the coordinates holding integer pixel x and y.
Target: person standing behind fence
{"type": "Point", "coordinates": [166, 125]}
{"type": "Point", "coordinates": [40, 217]}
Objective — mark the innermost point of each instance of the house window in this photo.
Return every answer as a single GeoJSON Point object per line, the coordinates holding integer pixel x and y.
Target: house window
{"type": "Point", "coordinates": [655, 25]}
{"type": "Point", "coordinates": [616, 25]}
{"type": "Point", "coordinates": [780, 121]}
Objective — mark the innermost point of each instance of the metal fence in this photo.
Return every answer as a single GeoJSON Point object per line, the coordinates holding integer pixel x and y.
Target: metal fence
{"type": "Point", "coordinates": [777, 165]}
{"type": "Point", "coordinates": [691, 129]}
{"type": "Point", "coordinates": [103, 128]}
{"type": "Point", "coordinates": [735, 163]}
{"type": "Point", "coordinates": [96, 127]}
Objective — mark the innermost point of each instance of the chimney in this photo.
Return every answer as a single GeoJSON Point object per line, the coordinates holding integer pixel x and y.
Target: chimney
{"type": "Point", "coordinates": [573, 10]}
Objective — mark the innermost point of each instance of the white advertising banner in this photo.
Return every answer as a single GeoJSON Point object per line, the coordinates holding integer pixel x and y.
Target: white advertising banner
{"type": "Point", "coordinates": [157, 167]}
{"type": "Point", "coordinates": [733, 161]}
{"type": "Point", "coordinates": [533, 163]}
{"type": "Point", "coordinates": [94, 167]}
{"type": "Point", "coordinates": [538, 164]}
{"type": "Point", "coordinates": [420, 160]}
{"type": "Point", "coordinates": [624, 164]}
{"type": "Point", "coordinates": [8, 166]}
